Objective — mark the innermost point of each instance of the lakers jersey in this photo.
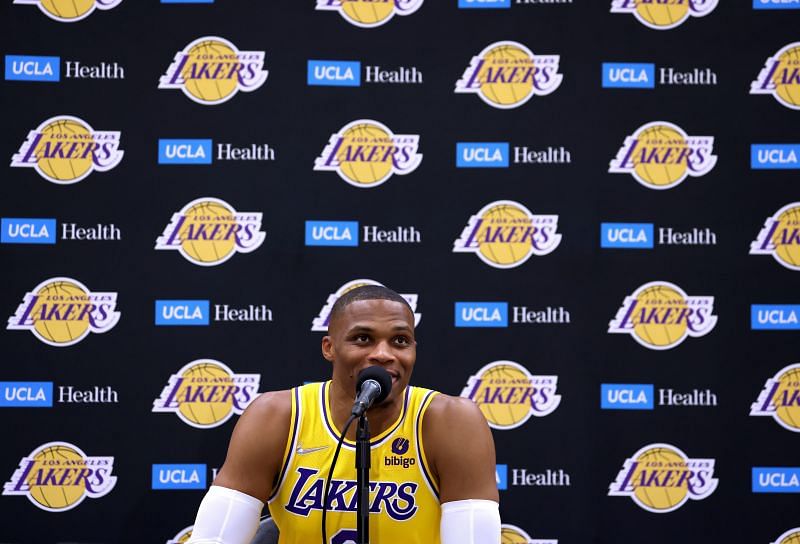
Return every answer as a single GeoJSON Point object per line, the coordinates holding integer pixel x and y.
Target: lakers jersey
{"type": "Point", "coordinates": [404, 501]}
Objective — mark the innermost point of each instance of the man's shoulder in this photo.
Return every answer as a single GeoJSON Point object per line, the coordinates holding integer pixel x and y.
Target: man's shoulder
{"type": "Point", "coordinates": [447, 410]}
{"type": "Point", "coordinates": [272, 405]}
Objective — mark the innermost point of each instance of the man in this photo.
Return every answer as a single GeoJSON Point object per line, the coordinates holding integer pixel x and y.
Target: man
{"type": "Point", "coordinates": [432, 455]}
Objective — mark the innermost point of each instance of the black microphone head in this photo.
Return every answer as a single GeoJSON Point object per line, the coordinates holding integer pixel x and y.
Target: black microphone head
{"type": "Point", "coordinates": [378, 374]}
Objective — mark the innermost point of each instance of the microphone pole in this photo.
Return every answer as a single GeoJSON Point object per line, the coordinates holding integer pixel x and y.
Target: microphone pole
{"type": "Point", "coordinates": [362, 478]}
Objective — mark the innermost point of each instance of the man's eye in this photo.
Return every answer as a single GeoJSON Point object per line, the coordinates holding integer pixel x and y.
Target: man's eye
{"type": "Point", "coordinates": [362, 338]}
{"type": "Point", "coordinates": [401, 340]}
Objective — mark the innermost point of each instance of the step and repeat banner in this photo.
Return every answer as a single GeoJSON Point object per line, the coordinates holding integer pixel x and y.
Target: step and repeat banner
{"type": "Point", "coordinates": [592, 207]}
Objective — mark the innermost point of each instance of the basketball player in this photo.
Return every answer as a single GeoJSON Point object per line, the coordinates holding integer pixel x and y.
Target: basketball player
{"type": "Point", "coordinates": [432, 455]}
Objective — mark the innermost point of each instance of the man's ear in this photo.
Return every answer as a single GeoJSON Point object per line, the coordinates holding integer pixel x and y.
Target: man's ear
{"type": "Point", "coordinates": [327, 348]}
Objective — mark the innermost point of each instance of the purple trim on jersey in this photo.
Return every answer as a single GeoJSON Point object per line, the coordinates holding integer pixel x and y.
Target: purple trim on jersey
{"type": "Point", "coordinates": [295, 429]}
{"type": "Point", "coordinates": [418, 432]}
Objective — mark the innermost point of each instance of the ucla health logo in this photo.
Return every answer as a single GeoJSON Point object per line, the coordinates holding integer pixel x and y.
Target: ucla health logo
{"type": "Point", "coordinates": [780, 237]}
{"type": "Point", "coordinates": [208, 231]}
{"type": "Point", "coordinates": [66, 149]}
{"type": "Point", "coordinates": [507, 74]}
{"type": "Point", "coordinates": [332, 233]}
{"type": "Point", "coordinates": [482, 155]}
{"type": "Point", "coordinates": [660, 155]}
{"type": "Point", "coordinates": [626, 396]}
{"type": "Point", "coordinates": [369, 13]}
{"type": "Point", "coordinates": [660, 315]}
{"type": "Point", "coordinates": [26, 394]}
{"type": "Point", "coordinates": [660, 478]}
{"type": "Point", "coordinates": [780, 77]}
{"type": "Point", "coordinates": [513, 534]}
{"type": "Point", "coordinates": [206, 393]}
{"type": "Point", "coordinates": [211, 70]}
{"type": "Point", "coordinates": [57, 476]}
{"type": "Point", "coordinates": [17, 230]}
{"type": "Point", "coordinates": [776, 480]}
{"type": "Point", "coordinates": [780, 398]}
{"type": "Point", "coordinates": [178, 476]}
{"type": "Point", "coordinates": [663, 15]}
{"type": "Point", "coordinates": [32, 68]}
{"type": "Point", "coordinates": [504, 234]}
{"type": "Point", "coordinates": [792, 536]}
{"type": "Point", "coordinates": [508, 395]}
{"type": "Point", "coordinates": [626, 235]}
{"type": "Point", "coordinates": [63, 311]}
{"type": "Point", "coordinates": [481, 314]}
{"type": "Point", "coordinates": [334, 73]}
{"type": "Point", "coordinates": [320, 323]}
{"type": "Point", "coordinates": [631, 75]}
{"type": "Point", "coordinates": [365, 153]}
{"type": "Point", "coordinates": [774, 156]}
{"type": "Point", "coordinates": [69, 11]}
{"type": "Point", "coordinates": [186, 151]}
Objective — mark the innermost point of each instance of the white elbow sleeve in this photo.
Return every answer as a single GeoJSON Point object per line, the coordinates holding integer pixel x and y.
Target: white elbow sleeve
{"type": "Point", "coordinates": [226, 516]}
{"type": "Point", "coordinates": [471, 521]}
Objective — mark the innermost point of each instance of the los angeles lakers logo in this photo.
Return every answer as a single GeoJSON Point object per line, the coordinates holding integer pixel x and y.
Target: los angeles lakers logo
{"type": "Point", "coordinates": [508, 395]}
{"type": "Point", "coordinates": [660, 155]}
{"type": "Point", "coordinates": [660, 478]}
{"type": "Point", "coordinates": [57, 476]}
{"type": "Point", "coordinates": [792, 536]}
{"type": "Point", "coordinates": [206, 393]}
{"type": "Point", "coordinates": [69, 11]}
{"type": "Point", "coordinates": [365, 153]}
{"type": "Point", "coordinates": [63, 311]}
{"type": "Point", "coordinates": [511, 534]}
{"type": "Point", "coordinates": [504, 234]}
{"type": "Point", "coordinates": [320, 323]}
{"type": "Point", "coordinates": [183, 536]}
{"type": "Point", "coordinates": [507, 74]}
{"type": "Point", "coordinates": [661, 14]}
{"type": "Point", "coordinates": [369, 13]}
{"type": "Point", "coordinates": [660, 315]}
{"type": "Point", "coordinates": [780, 398]}
{"type": "Point", "coordinates": [66, 149]}
{"type": "Point", "coordinates": [780, 77]}
{"type": "Point", "coordinates": [780, 237]}
{"type": "Point", "coordinates": [211, 70]}
{"type": "Point", "coordinates": [208, 232]}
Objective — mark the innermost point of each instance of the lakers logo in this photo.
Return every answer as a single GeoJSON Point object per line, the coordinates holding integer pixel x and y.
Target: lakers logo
{"type": "Point", "coordinates": [206, 393]}
{"type": "Point", "coordinates": [57, 476]}
{"type": "Point", "coordinates": [780, 237]}
{"type": "Point", "coordinates": [660, 315]}
{"type": "Point", "coordinates": [369, 13]}
{"type": "Point", "coordinates": [365, 153]}
{"type": "Point", "coordinates": [69, 11]}
{"type": "Point", "coordinates": [63, 311]}
{"type": "Point", "coordinates": [211, 70]}
{"type": "Point", "coordinates": [66, 149]}
{"type": "Point", "coordinates": [661, 155]}
{"type": "Point", "coordinates": [780, 77]}
{"type": "Point", "coordinates": [208, 232]}
{"type": "Point", "coordinates": [320, 323]}
{"type": "Point", "coordinates": [505, 234]}
{"type": "Point", "coordinates": [660, 478]}
{"type": "Point", "coordinates": [508, 395]}
{"type": "Point", "coordinates": [507, 74]}
{"type": "Point", "coordinates": [663, 14]}
{"type": "Point", "coordinates": [511, 534]}
{"type": "Point", "coordinates": [182, 537]}
{"type": "Point", "coordinates": [780, 398]}
{"type": "Point", "coordinates": [792, 536]}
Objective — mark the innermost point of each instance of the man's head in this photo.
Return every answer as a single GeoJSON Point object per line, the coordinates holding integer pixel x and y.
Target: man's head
{"type": "Point", "coordinates": [366, 292]}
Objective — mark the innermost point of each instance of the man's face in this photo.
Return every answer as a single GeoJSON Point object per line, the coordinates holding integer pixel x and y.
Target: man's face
{"type": "Point", "coordinates": [372, 333]}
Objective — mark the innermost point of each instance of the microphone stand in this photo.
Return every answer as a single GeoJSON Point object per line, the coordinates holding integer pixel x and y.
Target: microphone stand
{"type": "Point", "coordinates": [362, 478]}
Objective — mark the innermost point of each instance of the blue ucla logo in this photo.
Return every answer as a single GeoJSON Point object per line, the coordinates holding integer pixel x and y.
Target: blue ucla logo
{"type": "Point", "coordinates": [482, 155]}
{"type": "Point", "coordinates": [631, 75]}
{"type": "Point", "coordinates": [182, 312]}
{"type": "Point", "coordinates": [332, 233]}
{"type": "Point", "coordinates": [26, 394]}
{"type": "Point", "coordinates": [776, 479]}
{"type": "Point", "coordinates": [27, 231]}
{"type": "Point", "coordinates": [171, 151]}
{"type": "Point", "coordinates": [33, 68]}
{"type": "Point", "coordinates": [178, 476]}
{"type": "Point", "coordinates": [776, 4]}
{"type": "Point", "coordinates": [334, 73]}
{"type": "Point", "coordinates": [484, 4]}
{"type": "Point", "coordinates": [481, 314]}
{"type": "Point", "coordinates": [775, 156]}
{"type": "Point", "coordinates": [775, 317]}
{"type": "Point", "coordinates": [626, 235]}
{"type": "Point", "coordinates": [626, 396]}
{"type": "Point", "coordinates": [501, 475]}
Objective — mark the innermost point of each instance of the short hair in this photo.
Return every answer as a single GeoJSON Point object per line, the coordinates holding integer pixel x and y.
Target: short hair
{"type": "Point", "coordinates": [366, 292]}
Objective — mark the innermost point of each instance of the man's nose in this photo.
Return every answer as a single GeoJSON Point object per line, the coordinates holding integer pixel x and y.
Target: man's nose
{"type": "Point", "coordinates": [381, 353]}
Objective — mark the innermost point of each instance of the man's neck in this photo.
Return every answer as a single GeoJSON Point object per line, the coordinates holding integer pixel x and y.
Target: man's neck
{"type": "Point", "coordinates": [381, 417]}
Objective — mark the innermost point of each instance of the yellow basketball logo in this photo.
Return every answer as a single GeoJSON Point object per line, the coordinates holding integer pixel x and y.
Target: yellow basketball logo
{"type": "Point", "coordinates": [69, 11]}
{"type": "Point", "coordinates": [505, 234]}
{"type": "Point", "coordinates": [365, 153]}
{"type": "Point", "coordinates": [780, 398]}
{"type": "Point", "coordinates": [63, 311]}
{"type": "Point", "coordinates": [780, 77]}
{"type": "Point", "coordinates": [792, 536]}
{"type": "Point", "coordinates": [57, 476]}
{"type": "Point", "coordinates": [183, 536]}
{"type": "Point", "coordinates": [511, 534]}
{"type": "Point", "coordinates": [507, 74]}
{"type": "Point", "coordinates": [320, 323]}
{"type": "Point", "coordinates": [211, 70]}
{"type": "Point", "coordinates": [780, 237]}
{"type": "Point", "coordinates": [206, 393]}
{"type": "Point", "coordinates": [508, 395]}
{"type": "Point", "coordinates": [660, 478]}
{"type": "Point", "coordinates": [663, 14]}
{"type": "Point", "coordinates": [208, 232]}
{"type": "Point", "coordinates": [66, 149]}
{"type": "Point", "coordinates": [660, 155]}
{"type": "Point", "coordinates": [369, 13]}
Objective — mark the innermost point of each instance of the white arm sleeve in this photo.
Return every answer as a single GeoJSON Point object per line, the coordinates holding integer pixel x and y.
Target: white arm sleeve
{"type": "Point", "coordinates": [226, 516]}
{"type": "Point", "coordinates": [471, 521]}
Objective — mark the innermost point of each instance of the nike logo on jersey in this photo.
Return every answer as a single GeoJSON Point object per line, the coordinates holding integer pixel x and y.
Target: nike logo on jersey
{"type": "Point", "coordinates": [301, 450]}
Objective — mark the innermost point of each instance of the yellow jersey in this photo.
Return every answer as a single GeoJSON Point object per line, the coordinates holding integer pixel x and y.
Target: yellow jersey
{"type": "Point", "coordinates": [404, 498]}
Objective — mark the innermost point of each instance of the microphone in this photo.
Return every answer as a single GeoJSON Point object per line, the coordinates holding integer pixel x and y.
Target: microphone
{"type": "Point", "coordinates": [373, 385]}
